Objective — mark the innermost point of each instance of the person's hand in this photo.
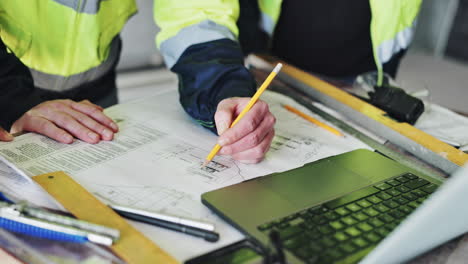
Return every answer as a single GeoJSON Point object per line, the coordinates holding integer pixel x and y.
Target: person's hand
{"type": "Point", "coordinates": [4, 135]}
{"type": "Point", "coordinates": [64, 119]}
{"type": "Point", "coordinates": [250, 138]}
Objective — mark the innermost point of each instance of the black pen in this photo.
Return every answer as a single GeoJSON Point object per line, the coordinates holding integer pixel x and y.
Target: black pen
{"type": "Point", "coordinates": [187, 226]}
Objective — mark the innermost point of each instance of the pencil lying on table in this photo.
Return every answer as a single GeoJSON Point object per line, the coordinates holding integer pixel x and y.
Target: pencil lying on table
{"type": "Point", "coordinates": [313, 120]}
{"type": "Point", "coordinates": [252, 101]}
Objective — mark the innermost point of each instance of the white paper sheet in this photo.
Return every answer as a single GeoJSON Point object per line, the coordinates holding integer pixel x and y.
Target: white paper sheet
{"type": "Point", "coordinates": [154, 162]}
{"type": "Point", "coordinates": [444, 124]}
{"type": "Point", "coordinates": [19, 187]}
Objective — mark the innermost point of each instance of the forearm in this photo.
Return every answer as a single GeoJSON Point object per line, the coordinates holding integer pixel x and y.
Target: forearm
{"type": "Point", "coordinates": [208, 73]}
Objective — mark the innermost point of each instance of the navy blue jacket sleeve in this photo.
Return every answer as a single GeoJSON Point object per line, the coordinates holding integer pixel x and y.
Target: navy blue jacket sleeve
{"type": "Point", "coordinates": [17, 92]}
{"type": "Point", "coordinates": [208, 73]}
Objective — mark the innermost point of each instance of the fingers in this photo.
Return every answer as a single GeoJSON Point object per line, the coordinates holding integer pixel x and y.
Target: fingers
{"type": "Point", "coordinates": [91, 104]}
{"type": "Point", "coordinates": [96, 113]}
{"type": "Point", "coordinates": [72, 126]}
{"type": "Point", "coordinates": [100, 130]}
{"type": "Point", "coordinates": [246, 125]}
{"type": "Point", "coordinates": [250, 138]}
{"type": "Point", "coordinates": [5, 136]}
{"type": "Point", "coordinates": [33, 123]}
{"type": "Point", "coordinates": [256, 154]}
{"type": "Point", "coordinates": [63, 119]}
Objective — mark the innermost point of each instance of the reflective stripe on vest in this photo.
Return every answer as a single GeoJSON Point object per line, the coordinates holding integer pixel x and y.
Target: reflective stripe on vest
{"type": "Point", "coordinates": [267, 23]}
{"type": "Point", "coordinates": [54, 40]}
{"type": "Point", "coordinates": [204, 31]}
{"type": "Point", "coordinates": [209, 20]}
{"type": "Point", "coordinates": [392, 28]}
{"type": "Point", "coordinates": [82, 6]}
{"type": "Point", "coordinates": [62, 83]}
{"type": "Point", "coordinates": [392, 23]}
{"type": "Point", "coordinates": [388, 48]}
{"type": "Point", "coordinates": [270, 12]}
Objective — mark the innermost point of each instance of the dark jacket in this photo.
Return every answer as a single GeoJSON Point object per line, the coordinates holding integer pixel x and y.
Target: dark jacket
{"type": "Point", "coordinates": [17, 92]}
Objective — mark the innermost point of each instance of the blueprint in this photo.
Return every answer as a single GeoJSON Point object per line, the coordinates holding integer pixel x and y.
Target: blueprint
{"type": "Point", "coordinates": [154, 162]}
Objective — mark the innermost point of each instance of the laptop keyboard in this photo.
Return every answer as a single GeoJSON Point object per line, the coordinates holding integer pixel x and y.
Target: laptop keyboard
{"type": "Point", "coordinates": [346, 229]}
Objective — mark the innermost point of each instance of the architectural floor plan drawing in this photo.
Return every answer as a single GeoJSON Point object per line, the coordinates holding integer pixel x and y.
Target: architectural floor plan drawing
{"type": "Point", "coordinates": [154, 162]}
{"type": "Point", "coordinates": [151, 198]}
{"type": "Point", "coordinates": [219, 171]}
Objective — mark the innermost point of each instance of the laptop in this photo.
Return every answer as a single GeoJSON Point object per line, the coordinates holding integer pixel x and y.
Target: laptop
{"type": "Point", "coordinates": [357, 206]}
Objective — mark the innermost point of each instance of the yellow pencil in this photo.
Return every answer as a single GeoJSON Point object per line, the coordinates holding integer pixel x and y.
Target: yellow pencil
{"type": "Point", "coordinates": [252, 101]}
{"type": "Point", "coordinates": [313, 120]}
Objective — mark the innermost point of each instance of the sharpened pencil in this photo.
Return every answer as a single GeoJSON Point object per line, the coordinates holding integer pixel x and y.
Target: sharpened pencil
{"type": "Point", "coordinates": [252, 101]}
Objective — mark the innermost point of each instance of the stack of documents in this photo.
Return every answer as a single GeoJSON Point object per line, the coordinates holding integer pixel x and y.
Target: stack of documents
{"type": "Point", "coordinates": [154, 163]}
{"type": "Point", "coordinates": [445, 125]}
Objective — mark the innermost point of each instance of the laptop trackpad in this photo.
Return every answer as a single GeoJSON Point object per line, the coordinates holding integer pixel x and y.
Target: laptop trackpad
{"type": "Point", "coordinates": [314, 183]}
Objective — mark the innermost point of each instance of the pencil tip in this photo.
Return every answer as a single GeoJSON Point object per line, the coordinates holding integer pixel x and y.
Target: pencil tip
{"type": "Point", "coordinates": [205, 163]}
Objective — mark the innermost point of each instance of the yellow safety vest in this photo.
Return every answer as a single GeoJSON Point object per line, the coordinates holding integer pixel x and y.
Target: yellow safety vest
{"type": "Point", "coordinates": [197, 21]}
{"type": "Point", "coordinates": [64, 42]}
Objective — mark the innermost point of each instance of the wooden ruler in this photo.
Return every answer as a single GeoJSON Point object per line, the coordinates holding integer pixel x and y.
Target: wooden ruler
{"type": "Point", "coordinates": [132, 246]}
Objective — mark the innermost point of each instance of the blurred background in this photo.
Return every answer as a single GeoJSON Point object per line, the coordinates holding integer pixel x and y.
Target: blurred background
{"type": "Point", "coordinates": [437, 60]}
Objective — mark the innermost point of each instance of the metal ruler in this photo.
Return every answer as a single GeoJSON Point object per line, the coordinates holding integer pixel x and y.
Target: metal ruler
{"type": "Point", "coordinates": [133, 247]}
{"type": "Point", "coordinates": [402, 135]}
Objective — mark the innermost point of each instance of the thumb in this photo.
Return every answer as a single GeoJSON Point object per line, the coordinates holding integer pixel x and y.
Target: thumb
{"type": "Point", "coordinates": [5, 136]}
{"type": "Point", "coordinates": [224, 114]}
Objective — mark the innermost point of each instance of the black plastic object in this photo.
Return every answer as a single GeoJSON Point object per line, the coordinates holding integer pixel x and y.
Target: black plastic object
{"type": "Point", "coordinates": [397, 103]}
{"type": "Point", "coordinates": [242, 252]}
